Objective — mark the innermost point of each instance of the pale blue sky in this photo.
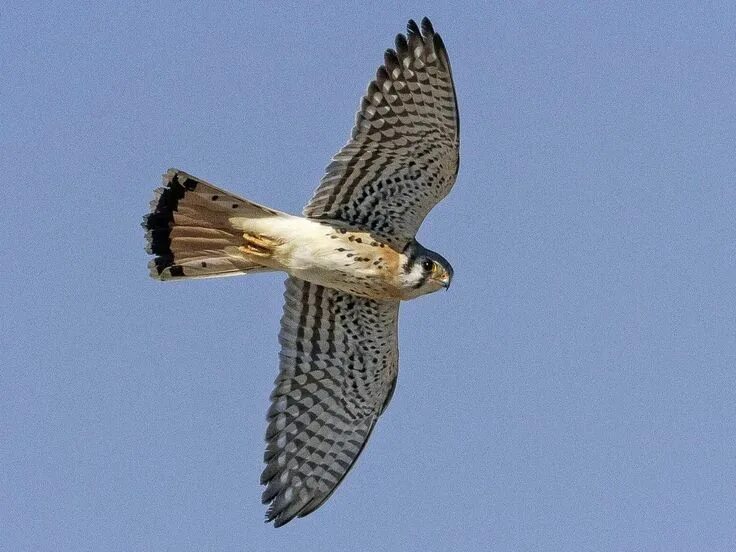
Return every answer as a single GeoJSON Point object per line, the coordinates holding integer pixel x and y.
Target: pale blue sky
{"type": "Point", "coordinates": [574, 390]}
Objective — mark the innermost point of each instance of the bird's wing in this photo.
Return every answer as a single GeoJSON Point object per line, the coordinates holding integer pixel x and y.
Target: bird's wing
{"type": "Point", "coordinates": [339, 360]}
{"type": "Point", "coordinates": [403, 156]}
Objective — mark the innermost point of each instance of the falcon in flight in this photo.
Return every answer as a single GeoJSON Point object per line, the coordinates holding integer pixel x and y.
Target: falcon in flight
{"type": "Point", "coordinates": [350, 260]}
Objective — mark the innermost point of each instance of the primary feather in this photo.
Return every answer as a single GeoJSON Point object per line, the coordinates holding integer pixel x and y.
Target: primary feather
{"type": "Point", "coordinates": [403, 155]}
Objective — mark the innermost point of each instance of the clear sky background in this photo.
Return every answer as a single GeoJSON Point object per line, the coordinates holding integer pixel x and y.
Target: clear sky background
{"type": "Point", "coordinates": [574, 390]}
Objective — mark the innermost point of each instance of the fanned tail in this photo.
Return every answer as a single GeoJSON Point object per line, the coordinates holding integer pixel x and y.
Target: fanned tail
{"type": "Point", "coordinates": [190, 230]}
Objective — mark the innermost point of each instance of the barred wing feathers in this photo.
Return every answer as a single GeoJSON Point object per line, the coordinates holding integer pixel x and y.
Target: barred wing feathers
{"type": "Point", "coordinates": [403, 155]}
{"type": "Point", "coordinates": [339, 361]}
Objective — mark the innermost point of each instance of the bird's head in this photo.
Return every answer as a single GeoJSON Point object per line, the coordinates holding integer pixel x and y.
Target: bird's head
{"type": "Point", "coordinates": [423, 271]}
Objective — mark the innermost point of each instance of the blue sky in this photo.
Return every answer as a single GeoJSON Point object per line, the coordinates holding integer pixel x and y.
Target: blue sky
{"type": "Point", "coordinates": [574, 390]}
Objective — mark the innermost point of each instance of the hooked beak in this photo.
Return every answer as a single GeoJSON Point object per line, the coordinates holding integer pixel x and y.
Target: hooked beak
{"type": "Point", "coordinates": [442, 277]}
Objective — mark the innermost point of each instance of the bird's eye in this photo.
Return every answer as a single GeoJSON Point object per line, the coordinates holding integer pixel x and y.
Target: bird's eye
{"type": "Point", "coordinates": [427, 264]}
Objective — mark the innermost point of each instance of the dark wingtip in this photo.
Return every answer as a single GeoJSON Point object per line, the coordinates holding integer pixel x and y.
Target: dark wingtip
{"type": "Point", "coordinates": [277, 517]}
{"type": "Point", "coordinates": [402, 46]}
{"type": "Point", "coordinates": [412, 28]}
{"type": "Point", "coordinates": [427, 28]}
{"type": "Point", "coordinates": [280, 522]}
{"type": "Point", "coordinates": [390, 59]}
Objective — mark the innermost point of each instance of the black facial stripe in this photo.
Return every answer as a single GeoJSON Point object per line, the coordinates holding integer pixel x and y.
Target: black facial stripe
{"type": "Point", "coordinates": [410, 262]}
{"type": "Point", "coordinates": [412, 250]}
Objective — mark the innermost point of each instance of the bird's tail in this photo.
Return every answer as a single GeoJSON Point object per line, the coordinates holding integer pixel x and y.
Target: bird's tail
{"type": "Point", "coordinates": [193, 230]}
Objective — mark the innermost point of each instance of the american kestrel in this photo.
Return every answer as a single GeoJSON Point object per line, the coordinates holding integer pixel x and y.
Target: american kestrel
{"type": "Point", "coordinates": [350, 260]}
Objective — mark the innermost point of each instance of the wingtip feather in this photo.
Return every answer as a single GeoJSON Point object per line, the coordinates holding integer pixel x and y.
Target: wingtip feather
{"type": "Point", "coordinates": [412, 28]}
{"type": "Point", "coordinates": [427, 28]}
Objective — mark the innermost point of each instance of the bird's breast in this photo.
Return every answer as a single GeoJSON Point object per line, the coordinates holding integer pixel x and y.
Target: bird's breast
{"type": "Point", "coordinates": [351, 261]}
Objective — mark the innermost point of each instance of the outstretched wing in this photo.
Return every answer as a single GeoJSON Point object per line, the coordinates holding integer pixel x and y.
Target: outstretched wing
{"type": "Point", "coordinates": [339, 360]}
{"type": "Point", "coordinates": [403, 156]}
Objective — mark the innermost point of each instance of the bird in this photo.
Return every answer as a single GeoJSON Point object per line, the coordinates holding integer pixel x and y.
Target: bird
{"type": "Point", "coordinates": [350, 259]}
